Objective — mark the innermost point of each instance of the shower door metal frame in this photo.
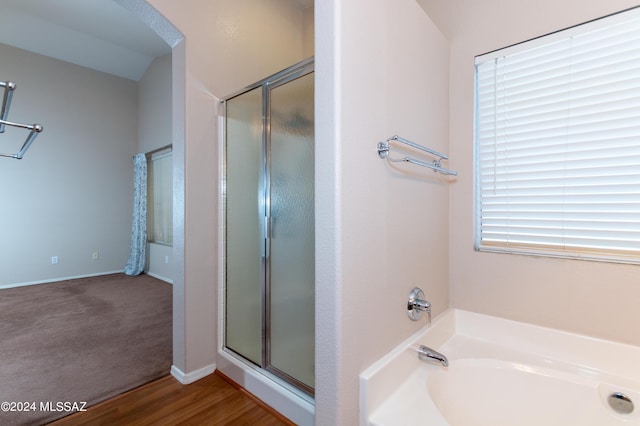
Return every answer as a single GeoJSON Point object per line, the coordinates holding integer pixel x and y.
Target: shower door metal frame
{"type": "Point", "coordinates": [283, 77]}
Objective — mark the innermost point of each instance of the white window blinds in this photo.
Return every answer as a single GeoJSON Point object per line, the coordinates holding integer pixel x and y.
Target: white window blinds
{"type": "Point", "coordinates": [557, 143]}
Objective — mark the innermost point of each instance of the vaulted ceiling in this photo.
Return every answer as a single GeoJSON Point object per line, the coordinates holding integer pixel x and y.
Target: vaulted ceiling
{"type": "Point", "coordinates": [97, 34]}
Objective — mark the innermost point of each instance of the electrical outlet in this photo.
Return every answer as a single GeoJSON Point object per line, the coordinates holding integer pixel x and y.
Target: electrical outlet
{"type": "Point", "coordinates": [54, 260]}
{"type": "Point", "coordinates": [166, 260]}
{"type": "Point", "coordinates": [95, 255]}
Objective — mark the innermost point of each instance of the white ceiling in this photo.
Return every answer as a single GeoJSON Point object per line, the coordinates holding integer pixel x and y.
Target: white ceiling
{"type": "Point", "coordinates": [97, 34]}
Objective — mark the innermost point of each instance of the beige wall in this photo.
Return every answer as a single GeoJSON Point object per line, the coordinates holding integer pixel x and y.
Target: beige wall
{"type": "Point", "coordinates": [381, 69]}
{"type": "Point", "coordinates": [227, 45]}
{"type": "Point", "coordinates": [381, 230]}
{"type": "Point", "coordinates": [155, 131]}
{"type": "Point", "coordinates": [154, 105]}
{"type": "Point", "coordinates": [66, 189]}
{"type": "Point", "coordinates": [308, 29]}
{"type": "Point", "coordinates": [71, 194]}
{"type": "Point", "coordinates": [597, 299]}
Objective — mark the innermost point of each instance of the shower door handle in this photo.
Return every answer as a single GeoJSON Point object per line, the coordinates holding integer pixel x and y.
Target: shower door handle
{"type": "Point", "coordinates": [268, 234]}
{"type": "Point", "coordinates": [269, 222]}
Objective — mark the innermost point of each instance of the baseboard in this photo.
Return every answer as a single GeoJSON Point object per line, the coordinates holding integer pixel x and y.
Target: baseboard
{"type": "Point", "coordinates": [160, 277]}
{"type": "Point", "coordinates": [186, 378]}
{"type": "Point", "coordinates": [54, 280]}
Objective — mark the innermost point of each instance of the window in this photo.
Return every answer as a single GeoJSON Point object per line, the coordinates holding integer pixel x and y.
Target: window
{"type": "Point", "coordinates": [160, 197]}
{"type": "Point", "coordinates": [557, 143]}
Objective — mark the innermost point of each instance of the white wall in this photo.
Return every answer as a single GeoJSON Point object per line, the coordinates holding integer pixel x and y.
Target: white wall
{"type": "Point", "coordinates": [381, 69]}
{"type": "Point", "coordinates": [597, 299]}
{"type": "Point", "coordinates": [71, 194]}
{"type": "Point", "coordinates": [155, 131]}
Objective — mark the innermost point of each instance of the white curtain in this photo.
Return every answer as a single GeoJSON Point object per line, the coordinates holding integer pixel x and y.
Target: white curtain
{"type": "Point", "coordinates": [137, 251]}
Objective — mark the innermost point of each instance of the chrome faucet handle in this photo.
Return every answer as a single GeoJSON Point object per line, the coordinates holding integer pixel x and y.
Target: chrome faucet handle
{"type": "Point", "coordinates": [416, 305]}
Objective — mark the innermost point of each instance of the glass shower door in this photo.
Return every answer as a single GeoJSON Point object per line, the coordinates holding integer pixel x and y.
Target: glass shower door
{"type": "Point", "coordinates": [269, 239]}
{"type": "Point", "coordinates": [291, 244]}
{"type": "Point", "coordinates": [245, 243]}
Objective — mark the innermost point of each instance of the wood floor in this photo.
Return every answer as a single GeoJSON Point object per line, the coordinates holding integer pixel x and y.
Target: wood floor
{"type": "Point", "coordinates": [212, 400]}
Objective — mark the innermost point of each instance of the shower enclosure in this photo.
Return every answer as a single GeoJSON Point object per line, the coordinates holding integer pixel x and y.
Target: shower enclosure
{"type": "Point", "coordinates": [269, 224]}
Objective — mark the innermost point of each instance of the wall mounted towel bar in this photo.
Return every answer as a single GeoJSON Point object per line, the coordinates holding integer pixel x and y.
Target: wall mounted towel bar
{"type": "Point", "coordinates": [9, 87]}
{"type": "Point", "coordinates": [35, 129]}
{"type": "Point", "coordinates": [436, 166]}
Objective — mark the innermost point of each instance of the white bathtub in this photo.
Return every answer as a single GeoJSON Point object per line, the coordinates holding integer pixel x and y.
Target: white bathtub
{"type": "Point", "coordinates": [501, 372]}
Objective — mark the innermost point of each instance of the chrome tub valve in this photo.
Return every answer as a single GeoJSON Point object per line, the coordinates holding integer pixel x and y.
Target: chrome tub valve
{"type": "Point", "coordinates": [416, 305]}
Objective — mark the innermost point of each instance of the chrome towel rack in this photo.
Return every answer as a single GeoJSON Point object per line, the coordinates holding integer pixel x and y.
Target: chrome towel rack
{"type": "Point", "coordinates": [9, 87]}
{"type": "Point", "coordinates": [435, 165]}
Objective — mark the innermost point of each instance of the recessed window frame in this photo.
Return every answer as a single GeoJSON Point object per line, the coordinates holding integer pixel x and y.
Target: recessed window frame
{"type": "Point", "coordinates": [160, 197]}
{"type": "Point", "coordinates": [503, 244]}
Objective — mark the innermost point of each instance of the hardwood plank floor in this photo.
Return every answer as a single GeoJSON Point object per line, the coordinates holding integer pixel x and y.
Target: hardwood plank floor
{"type": "Point", "coordinates": [213, 400]}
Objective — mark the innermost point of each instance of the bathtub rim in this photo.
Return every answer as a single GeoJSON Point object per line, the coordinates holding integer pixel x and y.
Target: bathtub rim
{"type": "Point", "coordinates": [383, 377]}
{"type": "Point", "coordinates": [394, 368]}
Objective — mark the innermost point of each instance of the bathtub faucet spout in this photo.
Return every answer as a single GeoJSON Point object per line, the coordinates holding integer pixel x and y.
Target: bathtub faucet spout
{"type": "Point", "coordinates": [425, 353]}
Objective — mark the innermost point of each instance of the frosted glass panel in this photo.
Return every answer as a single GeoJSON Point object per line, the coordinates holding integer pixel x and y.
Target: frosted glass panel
{"type": "Point", "coordinates": [292, 233]}
{"type": "Point", "coordinates": [244, 218]}
{"type": "Point", "coordinates": [269, 304]}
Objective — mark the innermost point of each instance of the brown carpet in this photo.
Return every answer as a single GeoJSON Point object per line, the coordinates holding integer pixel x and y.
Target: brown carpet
{"type": "Point", "coordinates": [83, 340]}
